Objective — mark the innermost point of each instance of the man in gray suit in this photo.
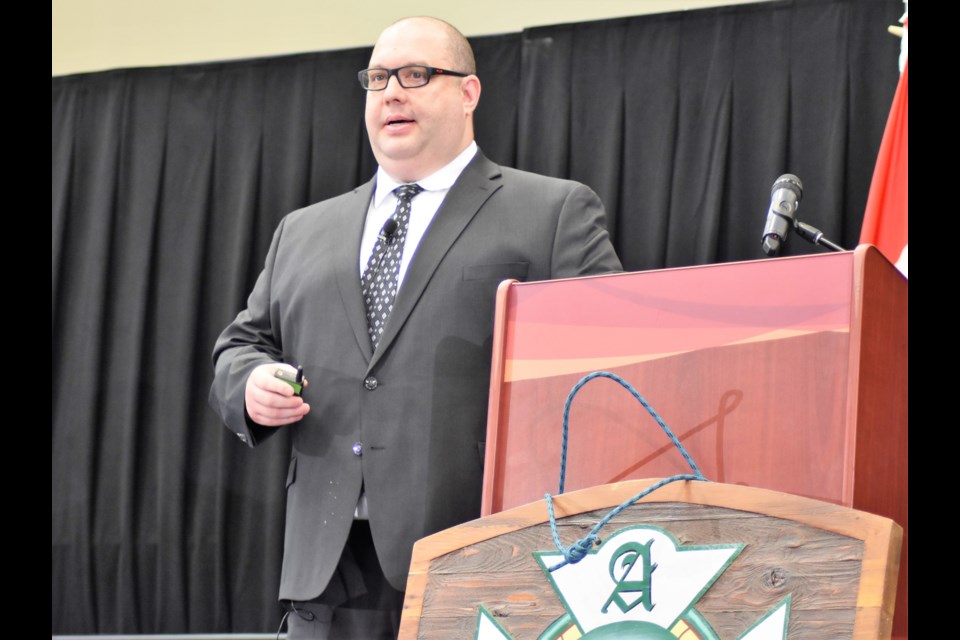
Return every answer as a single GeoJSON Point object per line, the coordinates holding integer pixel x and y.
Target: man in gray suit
{"type": "Point", "coordinates": [385, 297]}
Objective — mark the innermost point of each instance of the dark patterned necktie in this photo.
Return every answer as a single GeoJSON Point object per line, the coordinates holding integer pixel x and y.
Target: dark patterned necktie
{"type": "Point", "coordinates": [379, 280]}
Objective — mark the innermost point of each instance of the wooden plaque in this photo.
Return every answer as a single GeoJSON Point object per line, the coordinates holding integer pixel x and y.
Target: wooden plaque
{"type": "Point", "coordinates": [834, 567]}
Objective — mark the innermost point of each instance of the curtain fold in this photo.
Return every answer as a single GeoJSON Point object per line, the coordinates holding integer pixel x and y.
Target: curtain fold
{"type": "Point", "coordinates": [167, 185]}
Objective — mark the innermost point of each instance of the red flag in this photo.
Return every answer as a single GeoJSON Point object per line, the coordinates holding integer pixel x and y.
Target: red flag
{"type": "Point", "coordinates": [885, 219]}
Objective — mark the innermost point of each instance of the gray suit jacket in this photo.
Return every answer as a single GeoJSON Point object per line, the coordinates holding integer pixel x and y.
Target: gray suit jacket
{"type": "Point", "coordinates": [418, 404]}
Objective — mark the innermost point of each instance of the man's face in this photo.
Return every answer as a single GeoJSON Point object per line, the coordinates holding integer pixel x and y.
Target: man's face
{"type": "Point", "coordinates": [415, 132]}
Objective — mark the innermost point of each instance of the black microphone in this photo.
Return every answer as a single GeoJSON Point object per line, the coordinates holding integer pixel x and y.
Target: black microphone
{"type": "Point", "coordinates": [389, 228]}
{"type": "Point", "coordinates": [784, 200]}
{"type": "Point", "coordinates": [385, 237]}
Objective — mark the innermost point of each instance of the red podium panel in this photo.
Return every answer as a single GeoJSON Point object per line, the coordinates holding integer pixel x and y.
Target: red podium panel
{"type": "Point", "coordinates": [787, 374]}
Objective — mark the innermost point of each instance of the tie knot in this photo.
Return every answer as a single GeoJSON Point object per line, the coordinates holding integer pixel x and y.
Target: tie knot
{"type": "Point", "coordinates": [405, 192]}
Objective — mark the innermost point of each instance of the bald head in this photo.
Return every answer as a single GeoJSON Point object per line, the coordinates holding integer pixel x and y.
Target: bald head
{"type": "Point", "coordinates": [415, 131]}
{"type": "Point", "coordinates": [459, 48]}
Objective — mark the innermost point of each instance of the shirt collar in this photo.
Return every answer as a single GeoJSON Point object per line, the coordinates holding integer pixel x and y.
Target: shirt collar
{"type": "Point", "coordinates": [438, 181]}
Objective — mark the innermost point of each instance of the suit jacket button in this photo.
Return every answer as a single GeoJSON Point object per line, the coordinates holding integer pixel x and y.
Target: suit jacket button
{"type": "Point", "coordinates": [370, 383]}
{"type": "Point", "coordinates": [358, 448]}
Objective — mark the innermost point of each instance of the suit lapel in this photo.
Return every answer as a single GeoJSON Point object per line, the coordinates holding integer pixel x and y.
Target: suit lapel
{"type": "Point", "coordinates": [347, 263]}
{"type": "Point", "coordinates": [479, 180]}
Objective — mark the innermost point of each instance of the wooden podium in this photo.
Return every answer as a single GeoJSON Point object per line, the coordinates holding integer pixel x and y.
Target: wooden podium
{"type": "Point", "coordinates": [788, 374]}
{"type": "Point", "coordinates": [721, 562]}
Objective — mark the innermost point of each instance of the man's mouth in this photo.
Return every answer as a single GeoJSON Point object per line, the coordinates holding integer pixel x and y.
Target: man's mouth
{"type": "Point", "coordinates": [398, 121]}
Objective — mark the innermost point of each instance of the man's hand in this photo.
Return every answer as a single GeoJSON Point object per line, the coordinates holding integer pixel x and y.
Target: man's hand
{"type": "Point", "coordinates": [270, 402]}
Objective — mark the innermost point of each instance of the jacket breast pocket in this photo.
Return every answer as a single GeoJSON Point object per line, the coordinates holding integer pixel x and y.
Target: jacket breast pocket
{"type": "Point", "coordinates": [497, 272]}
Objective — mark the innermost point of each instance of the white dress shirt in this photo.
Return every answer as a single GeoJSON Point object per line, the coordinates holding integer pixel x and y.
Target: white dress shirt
{"type": "Point", "coordinates": [423, 208]}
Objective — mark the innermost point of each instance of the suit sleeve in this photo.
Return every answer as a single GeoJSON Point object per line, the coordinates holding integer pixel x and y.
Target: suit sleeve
{"type": "Point", "coordinates": [582, 245]}
{"type": "Point", "coordinates": [251, 340]}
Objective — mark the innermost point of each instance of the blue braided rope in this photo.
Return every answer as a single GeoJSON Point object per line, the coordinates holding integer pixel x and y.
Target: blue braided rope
{"type": "Point", "coordinates": [646, 405]}
{"type": "Point", "coordinates": [579, 549]}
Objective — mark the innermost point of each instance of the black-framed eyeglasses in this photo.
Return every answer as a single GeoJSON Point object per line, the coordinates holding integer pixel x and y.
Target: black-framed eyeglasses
{"type": "Point", "coordinates": [409, 77]}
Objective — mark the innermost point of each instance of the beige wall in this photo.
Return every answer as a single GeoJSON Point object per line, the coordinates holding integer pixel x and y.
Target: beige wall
{"type": "Point", "coordinates": [94, 35]}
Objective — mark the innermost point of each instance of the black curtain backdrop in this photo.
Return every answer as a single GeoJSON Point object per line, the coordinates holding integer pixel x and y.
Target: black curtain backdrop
{"type": "Point", "coordinates": [168, 183]}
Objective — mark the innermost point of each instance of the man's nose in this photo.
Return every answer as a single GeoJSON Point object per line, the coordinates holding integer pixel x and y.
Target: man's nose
{"type": "Point", "coordinates": [393, 89]}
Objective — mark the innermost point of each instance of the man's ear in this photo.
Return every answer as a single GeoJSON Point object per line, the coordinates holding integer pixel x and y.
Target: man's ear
{"type": "Point", "coordinates": [470, 90]}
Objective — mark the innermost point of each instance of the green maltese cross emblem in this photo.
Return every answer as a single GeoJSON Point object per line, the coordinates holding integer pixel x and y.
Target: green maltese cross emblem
{"type": "Point", "coordinates": [638, 585]}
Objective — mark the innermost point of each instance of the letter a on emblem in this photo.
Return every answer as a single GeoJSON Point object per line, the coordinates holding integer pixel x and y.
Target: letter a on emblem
{"type": "Point", "coordinates": [632, 559]}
